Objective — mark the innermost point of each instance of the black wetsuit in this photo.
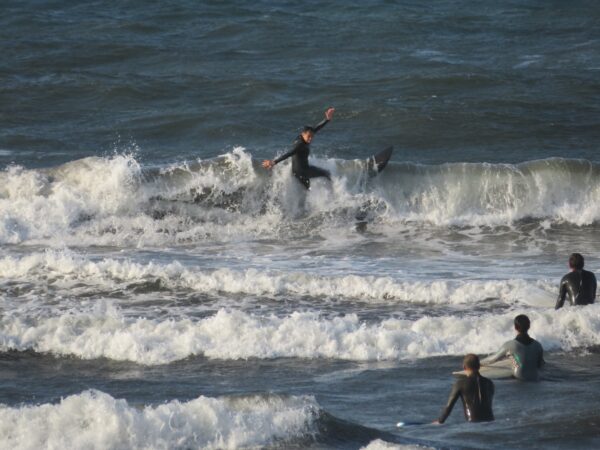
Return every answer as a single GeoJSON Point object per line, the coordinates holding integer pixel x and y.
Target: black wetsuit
{"type": "Point", "coordinates": [300, 167]}
{"type": "Point", "coordinates": [579, 286]}
{"type": "Point", "coordinates": [477, 393]}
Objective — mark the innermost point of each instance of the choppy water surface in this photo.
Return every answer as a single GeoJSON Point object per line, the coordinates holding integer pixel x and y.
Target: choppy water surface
{"type": "Point", "coordinates": [159, 289]}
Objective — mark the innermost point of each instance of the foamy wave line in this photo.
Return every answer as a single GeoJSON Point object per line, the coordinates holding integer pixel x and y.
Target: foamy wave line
{"type": "Point", "coordinates": [94, 419]}
{"type": "Point", "coordinates": [65, 268]}
{"type": "Point", "coordinates": [233, 334]}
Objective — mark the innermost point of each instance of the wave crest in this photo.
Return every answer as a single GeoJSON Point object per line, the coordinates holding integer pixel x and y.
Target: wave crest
{"type": "Point", "coordinates": [108, 201]}
{"type": "Point", "coordinates": [94, 419]}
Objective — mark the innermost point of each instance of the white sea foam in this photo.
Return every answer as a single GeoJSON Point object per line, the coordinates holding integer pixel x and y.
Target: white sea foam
{"type": "Point", "coordinates": [487, 194]}
{"type": "Point", "coordinates": [38, 204]}
{"type": "Point", "coordinates": [113, 201]}
{"type": "Point", "coordinates": [95, 420]}
{"type": "Point", "coordinates": [66, 268]}
{"type": "Point", "coordinates": [231, 334]}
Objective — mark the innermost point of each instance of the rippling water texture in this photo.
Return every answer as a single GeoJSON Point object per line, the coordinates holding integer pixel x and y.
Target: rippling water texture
{"type": "Point", "coordinates": [446, 82]}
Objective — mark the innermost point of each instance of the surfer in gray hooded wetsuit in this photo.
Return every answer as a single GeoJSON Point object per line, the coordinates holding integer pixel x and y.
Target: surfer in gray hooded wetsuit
{"type": "Point", "coordinates": [301, 169]}
{"type": "Point", "coordinates": [578, 285]}
{"type": "Point", "coordinates": [526, 354]}
{"type": "Point", "coordinates": [476, 392]}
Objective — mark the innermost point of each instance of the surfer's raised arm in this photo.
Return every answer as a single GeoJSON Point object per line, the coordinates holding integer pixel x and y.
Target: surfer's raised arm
{"type": "Point", "coordinates": [305, 138]}
{"type": "Point", "coordinates": [328, 117]}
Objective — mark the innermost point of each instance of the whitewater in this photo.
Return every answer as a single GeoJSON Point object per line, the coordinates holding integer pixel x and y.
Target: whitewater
{"type": "Point", "coordinates": [99, 201]}
{"type": "Point", "coordinates": [215, 261]}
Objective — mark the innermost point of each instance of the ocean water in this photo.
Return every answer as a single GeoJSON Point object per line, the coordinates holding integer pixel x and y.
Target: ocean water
{"type": "Point", "coordinates": [159, 289]}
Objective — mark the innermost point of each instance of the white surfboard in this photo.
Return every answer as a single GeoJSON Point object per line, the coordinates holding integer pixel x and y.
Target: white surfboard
{"type": "Point", "coordinates": [410, 424]}
{"type": "Point", "coordinates": [538, 297]}
{"type": "Point", "coordinates": [498, 370]}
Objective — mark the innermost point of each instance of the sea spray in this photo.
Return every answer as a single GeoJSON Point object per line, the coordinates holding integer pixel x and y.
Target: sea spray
{"type": "Point", "coordinates": [115, 201]}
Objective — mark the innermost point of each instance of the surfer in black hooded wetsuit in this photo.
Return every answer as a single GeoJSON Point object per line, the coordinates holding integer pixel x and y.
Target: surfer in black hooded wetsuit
{"type": "Point", "coordinates": [578, 285]}
{"type": "Point", "coordinates": [301, 169]}
{"type": "Point", "coordinates": [476, 392]}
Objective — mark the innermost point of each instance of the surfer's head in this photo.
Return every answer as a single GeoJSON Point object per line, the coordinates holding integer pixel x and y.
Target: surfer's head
{"type": "Point", "coordinates": [307, 134]}
{"type": "Point", "coordinates": [522, 323]}
{"type": "Point", "coordinates": [471, 362]}
{"type": "Point", "coordinates": [576, 261]}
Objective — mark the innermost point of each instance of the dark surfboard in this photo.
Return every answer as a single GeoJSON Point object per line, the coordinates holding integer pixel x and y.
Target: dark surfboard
{"type": "Point", "coordinates": [377, 162]}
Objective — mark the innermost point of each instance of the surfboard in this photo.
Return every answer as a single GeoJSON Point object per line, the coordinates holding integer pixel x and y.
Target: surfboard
{"type": "Point", "coordinates": [538, 297]}
{"type": "Point", "coordinates": [497, 371]}
{"type": "Point", "coordinates": [377, 162]}
{"type": "Point", "coordinates": [409, 424]}
{"type": "Point", "coordinates": [375, 165]}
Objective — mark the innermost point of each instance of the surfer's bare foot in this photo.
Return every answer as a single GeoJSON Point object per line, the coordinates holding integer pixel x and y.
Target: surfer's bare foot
{"type": "Point", "coordinates": [268, 163]}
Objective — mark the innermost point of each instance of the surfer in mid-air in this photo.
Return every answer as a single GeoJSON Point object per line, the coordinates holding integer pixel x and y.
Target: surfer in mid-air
{"type": "Point", "coordinates": [301, 169]}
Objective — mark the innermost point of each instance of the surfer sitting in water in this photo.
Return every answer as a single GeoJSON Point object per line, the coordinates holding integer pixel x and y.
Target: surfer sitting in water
{"type": "Point", "coordinates": [526, 354]}
{"type": "Point", "coordinates": [578, 285]}
{"type": "Point", "coordinates": [299, 153]}
{"type": "Point", "coordinates": [476, 392]}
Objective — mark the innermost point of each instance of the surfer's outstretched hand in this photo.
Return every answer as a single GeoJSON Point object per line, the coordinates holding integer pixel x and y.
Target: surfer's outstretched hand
{"type": "Point", "coordinates": [329, 113]}
{"type": "Point", "coordinates": [268, 163]}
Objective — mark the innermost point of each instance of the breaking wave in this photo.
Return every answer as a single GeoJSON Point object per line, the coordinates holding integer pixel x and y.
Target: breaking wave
{"type": "Point", "coordinates": [94, 419]}
{"type": "Point", "coordinates": [116, 201]}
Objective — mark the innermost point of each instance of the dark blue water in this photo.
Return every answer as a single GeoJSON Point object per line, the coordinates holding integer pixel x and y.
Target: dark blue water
{"type": "Point", "coordinates": [451, 81]}
{"type": "Point", "coordinates": [159, 289]}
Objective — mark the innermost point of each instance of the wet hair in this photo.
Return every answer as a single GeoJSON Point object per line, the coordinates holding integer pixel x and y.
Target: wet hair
{"type": "Point", "coordinates": [306, 128]}
{"type": "Point", "coordinates": [522, 323]}
{"type": "Point", "coordinates": [576, 261]}
{"type": "Point", "coordinates": [471, 361]}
